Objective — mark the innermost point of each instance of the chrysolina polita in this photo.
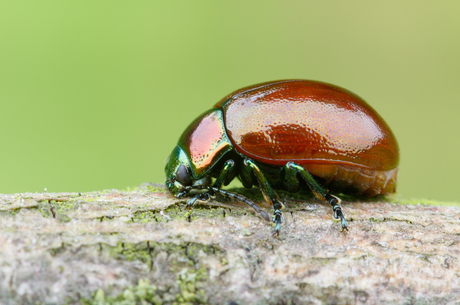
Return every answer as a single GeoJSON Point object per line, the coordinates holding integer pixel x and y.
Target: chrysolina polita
{"type": "Point", "coordinates": [288, 135]}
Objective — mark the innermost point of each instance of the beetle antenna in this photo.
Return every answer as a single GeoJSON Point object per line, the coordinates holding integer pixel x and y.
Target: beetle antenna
{"type": "Point", "coordinates": [238, 197]}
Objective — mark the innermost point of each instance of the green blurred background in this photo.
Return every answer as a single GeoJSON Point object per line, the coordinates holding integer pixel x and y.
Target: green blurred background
{"type": "Point", "coordinates": [94, 94]}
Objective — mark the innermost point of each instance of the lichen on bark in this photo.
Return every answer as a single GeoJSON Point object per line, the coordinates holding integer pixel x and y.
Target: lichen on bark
{"type": "Point", "coordinates": [143, 245]}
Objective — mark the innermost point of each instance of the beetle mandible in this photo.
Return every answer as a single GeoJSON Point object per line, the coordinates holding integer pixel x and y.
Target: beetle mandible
{"type": "Point", "coordinates": [288, 135]}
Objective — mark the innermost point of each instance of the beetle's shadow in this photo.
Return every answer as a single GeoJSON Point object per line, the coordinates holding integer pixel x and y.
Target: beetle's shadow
{"type": "Point", "coordinates": [223, 206]}
{"type": "Point", "coordinates": [300, 198]}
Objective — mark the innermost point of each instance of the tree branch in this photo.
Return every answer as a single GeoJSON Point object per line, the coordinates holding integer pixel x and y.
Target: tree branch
{"type": "Point", "coordinates": [144, 245]}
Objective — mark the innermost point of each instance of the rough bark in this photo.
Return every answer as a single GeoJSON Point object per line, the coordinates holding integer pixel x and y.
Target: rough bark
{"type": "Point", "coordinates": [143, 245]}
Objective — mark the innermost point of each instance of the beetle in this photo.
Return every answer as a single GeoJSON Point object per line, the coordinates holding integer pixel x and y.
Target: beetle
{"type": "Point", "coordinates": [288, 135]}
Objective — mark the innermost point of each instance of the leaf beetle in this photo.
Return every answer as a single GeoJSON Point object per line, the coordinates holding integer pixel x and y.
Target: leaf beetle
{"type": "Point", "coordinates": [289, 135]}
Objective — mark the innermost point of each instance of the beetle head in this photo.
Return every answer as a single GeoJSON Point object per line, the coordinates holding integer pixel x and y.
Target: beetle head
{"type": "Point", "coordinates": [179, 172]}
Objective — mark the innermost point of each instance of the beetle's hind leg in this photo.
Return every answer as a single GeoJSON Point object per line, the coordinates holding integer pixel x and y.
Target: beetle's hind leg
{"type": "Point", "coordinates": [268, 193]}
{"type": "Point", "coordinates": [292, 169]}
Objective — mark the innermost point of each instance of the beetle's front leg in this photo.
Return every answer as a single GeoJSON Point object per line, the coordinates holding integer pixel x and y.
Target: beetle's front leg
{"type": "Point", "coordinates": [224, 177]}
{"type": "Point", "coordinates": [269, 195]}
{"type": "Point", "coordinates": [319, 192]}
{"type": "Point", "coordinates": [202, 197]}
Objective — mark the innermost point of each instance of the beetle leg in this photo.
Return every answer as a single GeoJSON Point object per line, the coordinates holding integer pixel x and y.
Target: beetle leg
{"type": "Point", "coordinates": [245, 200]}
{"type": "Point", "coordinates": [225, 175]}
{"type": "Point", "coordinates": [337, 208]}
{"type": "Point", "coordinates": [269, 195]}
{"type": "Point", "coordinates": [223, 178]}
{"type": "Point", "coordinates": [320, 192]}
{"type": "Point", "coordinates": [202, 197]}
{"type": "Point", "coordinates": [184, 192]}
{"type": "Point", "coordinates": [290, 180]}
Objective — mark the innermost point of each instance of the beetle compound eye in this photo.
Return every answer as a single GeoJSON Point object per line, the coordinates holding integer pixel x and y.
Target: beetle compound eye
{"type": "Point", "coordinates": [182, 175]}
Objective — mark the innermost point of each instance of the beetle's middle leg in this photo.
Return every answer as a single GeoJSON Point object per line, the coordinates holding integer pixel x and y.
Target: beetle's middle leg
{"type": "Point", "coordinates": [292, 169]}
{"type": "Point", "coordinates": [268, 193]}
{"type": "Point", "coordinates": [225, 177]}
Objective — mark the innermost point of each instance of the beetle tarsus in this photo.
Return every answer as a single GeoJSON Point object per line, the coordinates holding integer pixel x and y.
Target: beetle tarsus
{"type": "Point", "coordinates": [181, 194]}
{"type": "Point", "coordinates": [191, 202]}
{"type": "Point", "coordinates": [337, 209]}
{"type": "Point", "coordinates": [202, 197]}
{"type": "Point", "coordinates": [278, 220]}
{"type": "Point", "coordinates": [339, 214]}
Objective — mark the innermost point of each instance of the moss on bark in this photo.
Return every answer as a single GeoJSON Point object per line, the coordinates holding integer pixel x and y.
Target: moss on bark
{"type": "Point", "coordinates": [143, 246]}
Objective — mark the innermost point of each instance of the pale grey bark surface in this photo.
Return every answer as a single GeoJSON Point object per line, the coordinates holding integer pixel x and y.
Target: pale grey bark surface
{"type": "Point", "coordinates": [144, 246]}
